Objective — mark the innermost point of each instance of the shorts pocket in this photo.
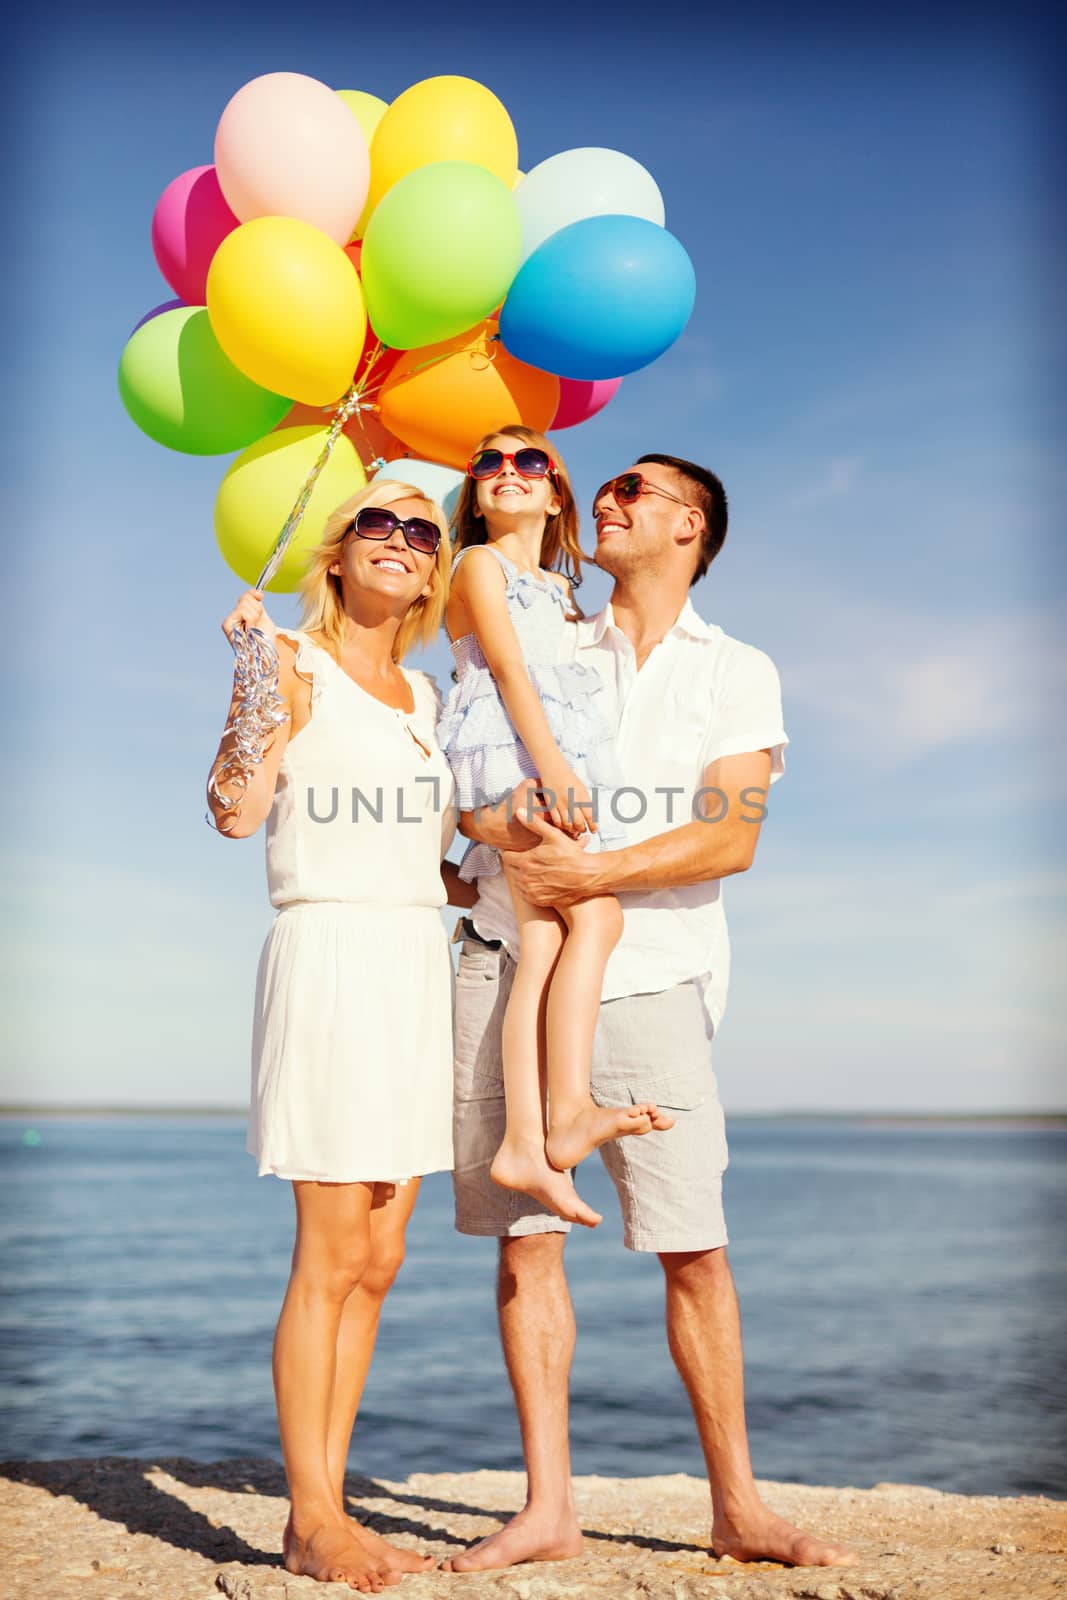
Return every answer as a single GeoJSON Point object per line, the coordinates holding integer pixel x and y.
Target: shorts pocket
{"type": "Point", "coordinates": [680, 1091]}
{"type": "Point", "coordinates": [478, 966]}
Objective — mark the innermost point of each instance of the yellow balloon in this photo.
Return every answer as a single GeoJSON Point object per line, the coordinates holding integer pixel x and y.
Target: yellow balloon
{"type": "Point", "coordinates": [442, 119]}
{"type": "Point", "coordinates": [259, 491]}
{"type": "Point", "coordinates": [287, 308]}
{"type": "Point", "coordinates": [368, 111]}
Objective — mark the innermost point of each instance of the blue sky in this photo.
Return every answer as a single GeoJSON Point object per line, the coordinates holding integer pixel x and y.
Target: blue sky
{"type": "Point", "coordinates": [874, 367]}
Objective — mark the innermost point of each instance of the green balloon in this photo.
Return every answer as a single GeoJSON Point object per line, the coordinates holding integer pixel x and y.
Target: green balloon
{"type": "Point", "coordinates": [183, 392]}
{"type": "Point", "coordinates": [439, 254]}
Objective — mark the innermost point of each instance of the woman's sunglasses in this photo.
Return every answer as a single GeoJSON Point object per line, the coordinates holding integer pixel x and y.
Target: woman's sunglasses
{"type": "Point", "coordinates": [628, 488]}
{"type": "Point", "coordinates": [528, 463]}
{"type": "Point", "coordinates": [372, 522]}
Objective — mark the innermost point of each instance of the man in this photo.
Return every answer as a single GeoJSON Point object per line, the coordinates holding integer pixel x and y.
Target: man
{"type": "Point", "coordinates": [700, 739]}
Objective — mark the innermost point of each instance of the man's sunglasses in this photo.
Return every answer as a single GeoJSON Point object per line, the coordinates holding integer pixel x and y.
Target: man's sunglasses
{"type": "Point", "coordinates": [528, 463]}
{"type": "Point", "coordinates": [628, 488]}
{"type": "Point", "coordinates": [372, 522]}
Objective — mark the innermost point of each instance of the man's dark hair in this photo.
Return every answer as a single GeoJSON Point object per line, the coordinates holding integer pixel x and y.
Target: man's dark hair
{"type": "Point", "coordinates": [709, 497]}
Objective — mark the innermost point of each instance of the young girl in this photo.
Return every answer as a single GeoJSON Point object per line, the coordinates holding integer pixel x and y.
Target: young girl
{"type": "Point", "coordinates": [518, 711]}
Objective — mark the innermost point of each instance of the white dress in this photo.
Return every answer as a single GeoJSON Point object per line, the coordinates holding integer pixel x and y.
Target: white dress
{"type": "Point", "coordinates": [352, 1036]}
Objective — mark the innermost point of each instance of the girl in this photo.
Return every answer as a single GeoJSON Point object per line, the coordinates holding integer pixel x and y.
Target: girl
{"type": "Point", "coordinates": [351, 1056]}
{"type": "Point", "coordinates": [519, 711]}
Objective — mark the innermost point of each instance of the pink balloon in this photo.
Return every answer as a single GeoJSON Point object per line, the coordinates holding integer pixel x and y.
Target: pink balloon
{"type": "Point", "coordinates": [580, 399]}
{"type": "Point", "coordinates": [190, 222]}
{"type": "Point", "coordinates": [287, 146]}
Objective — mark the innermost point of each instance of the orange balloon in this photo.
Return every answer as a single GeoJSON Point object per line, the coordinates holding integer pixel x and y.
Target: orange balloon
{"type": "Point", "coordinates": [441, 399]}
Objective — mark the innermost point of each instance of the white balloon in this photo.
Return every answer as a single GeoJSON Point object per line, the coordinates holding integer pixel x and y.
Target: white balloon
{"type": "Point", "coordinates": [440, 483]}
{"type": "Point", "coordinates": [590, 182]}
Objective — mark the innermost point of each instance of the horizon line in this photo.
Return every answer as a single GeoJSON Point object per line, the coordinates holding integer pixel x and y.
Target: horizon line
{"type": "Point", "coordinates": [1034, 1115]}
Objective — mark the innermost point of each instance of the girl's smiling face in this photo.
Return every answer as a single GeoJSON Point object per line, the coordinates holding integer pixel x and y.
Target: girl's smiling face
{"type": "Point", "coordinates": [509, 495]}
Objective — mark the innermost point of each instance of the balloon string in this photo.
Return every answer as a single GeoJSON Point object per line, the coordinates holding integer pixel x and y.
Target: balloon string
{"type": "Point", "coordinates": [261, 709]}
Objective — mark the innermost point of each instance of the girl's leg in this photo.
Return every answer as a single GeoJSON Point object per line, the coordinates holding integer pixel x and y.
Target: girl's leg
{"type": "Point", "coordinates": [521, 1163]}
{"type": "Point", "coordinates": [390, 1211]}
{"type": "Point", "coordinates": [576, 1124]}
{"type": "Point", "coordinates": [330, 1256]}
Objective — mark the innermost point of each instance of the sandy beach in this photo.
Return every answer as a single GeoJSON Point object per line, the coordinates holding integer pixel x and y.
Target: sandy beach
{"type": "Point", "coordinates": [117, 1527]}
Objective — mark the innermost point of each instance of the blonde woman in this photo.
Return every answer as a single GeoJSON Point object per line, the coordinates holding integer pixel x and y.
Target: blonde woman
{"type": "Point", "coordinates": [351, 1055]}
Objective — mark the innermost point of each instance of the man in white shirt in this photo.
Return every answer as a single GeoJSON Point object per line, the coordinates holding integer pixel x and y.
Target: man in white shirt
{"type": "Point", "coordinates": [700, 739]}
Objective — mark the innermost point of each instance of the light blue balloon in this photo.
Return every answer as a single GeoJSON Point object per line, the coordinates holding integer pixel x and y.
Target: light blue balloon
{"type": "Point", "coordinates": [440, 483]}
{"type": "Point", "coordinates": [590, 182]}
{"type": "Point", "coordinates": [600, 298]}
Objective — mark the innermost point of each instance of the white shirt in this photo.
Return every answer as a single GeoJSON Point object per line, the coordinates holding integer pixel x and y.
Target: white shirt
{"type": "Point", "coordinates": [699, 695]}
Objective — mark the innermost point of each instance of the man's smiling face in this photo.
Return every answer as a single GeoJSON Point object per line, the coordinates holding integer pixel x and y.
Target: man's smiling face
{"type": "Point", "coordinates": [644, 535]}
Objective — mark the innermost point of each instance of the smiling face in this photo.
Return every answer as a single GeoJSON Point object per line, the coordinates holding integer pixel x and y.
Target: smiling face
{"type": "Point", "coordinates": [656, 536]}
{"type": "Point", "coordinates": [387, 567]}
{"type": "Point", "coordinates": [509, 495]}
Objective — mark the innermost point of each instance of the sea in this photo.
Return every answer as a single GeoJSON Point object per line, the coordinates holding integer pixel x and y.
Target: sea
{"type": "Point", "coordinates": [902, 1290]}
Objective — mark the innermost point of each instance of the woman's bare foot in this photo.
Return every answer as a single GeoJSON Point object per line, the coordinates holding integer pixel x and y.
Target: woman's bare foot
{"type": "Point", "coordinates": [331, 1553]}
{"type": "Point", "coordinates": [525, 1167]}
{"type": "Point", "coordinates": [530, 1536]}
{"type": "Point", "coordinates": [393, 1557]}
{"type": "Point", "coordinates": [569, 1142]}
{"type": "Point", "coordinates": [763, 1536]}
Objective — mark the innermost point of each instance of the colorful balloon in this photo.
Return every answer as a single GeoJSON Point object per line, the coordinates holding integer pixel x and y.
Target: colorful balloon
{"type": "Point", "coordinates": [442, 484]}
{"type": "Point", "coordinates": [590, 182]}
{"type": "Point", "coordinates": [442, 119]}
{"type": "Point", "coordinates": [368, 111]}
{"type": "Point", "coordinates": [441, 400]}
{"type": "Point", "coordinates": [581, 399]}
{"type": "Point", "coordinates": [439, 253]}
{"type": "Point", "coordinates": [259, 491]}
{"type": "Point", "coordinates": [287, 146]}
{"type": "Point", "coordinates": [181, 390]}
{"type": "Point", "coordinates": [190, 221]}
{"type": "Point", "coordinates": [600, 298]}
{"type": "Point", "coordinates": [157, 311]}
{"type": "Point", "coordinates": [286, 307]}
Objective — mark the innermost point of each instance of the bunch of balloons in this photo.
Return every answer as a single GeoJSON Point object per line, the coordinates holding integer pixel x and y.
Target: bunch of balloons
{"type": "Point", "coordinates": [361, 284]}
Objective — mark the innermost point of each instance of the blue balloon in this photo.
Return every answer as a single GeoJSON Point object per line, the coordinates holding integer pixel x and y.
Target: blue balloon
{"type": "Point", "coordinates": [600, 298]}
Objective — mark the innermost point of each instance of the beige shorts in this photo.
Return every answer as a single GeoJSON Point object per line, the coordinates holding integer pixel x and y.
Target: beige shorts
{"type": "Point", "coordinates": [647, 1047]}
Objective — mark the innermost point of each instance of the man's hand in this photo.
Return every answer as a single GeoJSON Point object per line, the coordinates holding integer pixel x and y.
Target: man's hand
{"type": "Point", "coordinates": [557, 871]}
{"type": "Point", "coordinates": [509, 824]}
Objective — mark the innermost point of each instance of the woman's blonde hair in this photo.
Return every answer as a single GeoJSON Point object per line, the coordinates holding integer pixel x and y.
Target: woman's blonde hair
{"type": "Point", "coordinates": [560, 551]}
{"type": "Point", "coordinates": [320, 589]}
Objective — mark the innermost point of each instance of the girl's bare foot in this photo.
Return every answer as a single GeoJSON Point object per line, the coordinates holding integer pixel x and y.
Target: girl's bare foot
{"type": "Point", "coordinates": [331, 1553]}
{"type": "Point", "coordinates": [525, 1167]}
{"type": "Point", "coordinates": [530, 1536]}
{"type": "Point", "coordinates": [569, 1142]}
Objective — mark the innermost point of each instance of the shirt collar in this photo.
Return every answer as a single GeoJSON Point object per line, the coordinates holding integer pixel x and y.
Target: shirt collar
{"type": "Point", "coordinates": [688, 622]}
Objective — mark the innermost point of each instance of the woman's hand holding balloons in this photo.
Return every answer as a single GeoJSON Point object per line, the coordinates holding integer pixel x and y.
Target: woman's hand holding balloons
{"type": "Point", "coordinates": [249, 612]}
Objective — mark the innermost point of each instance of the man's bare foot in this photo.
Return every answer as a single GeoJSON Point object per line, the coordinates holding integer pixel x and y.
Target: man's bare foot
{"type": "Point", "coordinates": [766, 1537]}
{"type": "Point", "coordinates": [331, 1553]}
{"type": "Point", "coordinates": [530, 1536]}
{"type": "Point", "coordinates": [526, 1168]}
{"type": "Point", "coordinates": [393, 1557]}
{"type": "Point", "coordinates": [569, 1142]}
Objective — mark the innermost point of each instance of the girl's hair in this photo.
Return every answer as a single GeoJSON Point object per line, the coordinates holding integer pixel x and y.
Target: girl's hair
{"type": "Point", "coordinates": [320, 589]}
{"type": "Point", "coordinates": [560, 551]}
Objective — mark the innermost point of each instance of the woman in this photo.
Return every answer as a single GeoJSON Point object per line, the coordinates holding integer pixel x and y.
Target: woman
{"type": "Point", "coordinates": [351, 1056]}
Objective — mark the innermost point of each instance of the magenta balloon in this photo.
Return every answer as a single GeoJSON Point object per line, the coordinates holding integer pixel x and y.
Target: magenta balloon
{"type": "Point", "coordinates": [581, 398]}
{"type": "Point", "coordinates": [157, 311]}
{"type": "Point", "coordinates": [190, 222]}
